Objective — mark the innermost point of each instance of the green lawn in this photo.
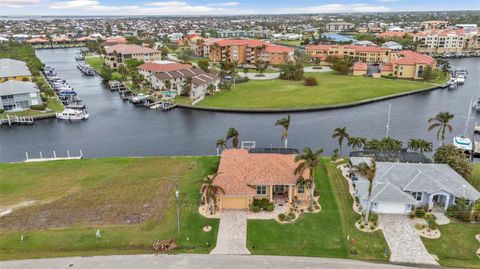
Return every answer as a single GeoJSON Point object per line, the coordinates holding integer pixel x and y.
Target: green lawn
{"type": "Point", "coordinates": [332, 89]}
{"type": "Point", "coordinates": [289, 42]}
{"type": "Point", "coordinates": [80, 196]}
{"type": "Point", "coordinates": [457, 245]}
{"type": "Point", "coordinates": [475, 180]}
{"type": "Point", "coordinates": [323, 234]}
{"type": "Point", "coordinates": [96, 63]}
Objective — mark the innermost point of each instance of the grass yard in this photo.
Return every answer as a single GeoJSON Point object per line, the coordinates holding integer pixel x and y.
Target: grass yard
{"type": "Point", "coordinates": [96, 63]}
{"type": "Point", "coordinates": [475, 180]}
{"type": "Point", "coordinates": [131, 200]}
{"type": "Point", "coordinates": [323, 234]}
{"type": "Point", "coordinates": [457, 245]}
{"type": "Point", "coordinates": [332, 89]}
{"type": "Point", "coordinates": [289, 42]}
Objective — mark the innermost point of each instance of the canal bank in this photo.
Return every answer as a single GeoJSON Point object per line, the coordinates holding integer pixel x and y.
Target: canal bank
{"type": "Point", "coordinates": [117, 128]}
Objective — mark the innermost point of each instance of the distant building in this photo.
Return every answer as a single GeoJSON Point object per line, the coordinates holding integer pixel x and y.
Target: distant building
{"type": "Point", "coordinates": [339, 26]}
{"type": "Point", "coordinates": [116, 55]}
{"type": "Point", "coordinates": [18, 95]}
{"type": "Point", "coordinates": [334, 37]}
{"type": "Point", "coordinates": [429, 25]}
{"type": "Point", "coordinates": [441, 41]}
{"type": "Point", "coordinates": [392, 45]}
{"type": "Point", "coordinates": [393, 35]}
{"type": "Point", "coordinates": [365, 43]}
{"type": "Point", "coordinates": [14, 70]}
{"type": "Point", "coordinates": [114, 40]}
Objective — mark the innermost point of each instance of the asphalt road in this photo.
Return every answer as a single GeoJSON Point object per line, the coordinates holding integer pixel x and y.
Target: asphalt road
{"type": "Point", "coordinates": [193, 261]}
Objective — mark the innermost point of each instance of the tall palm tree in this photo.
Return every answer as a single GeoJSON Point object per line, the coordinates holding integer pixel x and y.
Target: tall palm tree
{"type": "Point", "coordinates": [187, 87]}
{"type": "Point", "coordinates": [357, 142]}
{"type": "Point", "coordinates": [308, 160]}
{"type": "Point", "coordinates": [210, 191]}
{"type": "Point", "coordinates": [368, 172]}
{"type": "Point", "coordinates": [441, 121]}
{"type": "Point", "coordinates": [340, 134]}
{"type": "Point", "coordinates": [413, 144]}
{"type": "Point", "coordinates": [285, 123]}
{"type": "Point", "coordinates": [424, 146]}
{"type": "Point", "coordinates": [304, 184]}
{"type": "Point", "coordinates": [232, 133]}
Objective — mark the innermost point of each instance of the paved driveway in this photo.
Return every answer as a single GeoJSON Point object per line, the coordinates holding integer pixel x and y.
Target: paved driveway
{"type": "Point", "coordinates": [405, 244]}
{"type": "Point", "coordinates": [232, 233]}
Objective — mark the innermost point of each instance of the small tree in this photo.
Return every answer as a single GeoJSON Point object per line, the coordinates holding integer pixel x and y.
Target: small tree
{"type": "Point", "coordinates": [203, 64]}
{"type": "Point", "coordinates": [233, 134]}
{"type": "Point", "coordinates": [310, 81]}
{"type": "Point", "coordinates": [210, 191]}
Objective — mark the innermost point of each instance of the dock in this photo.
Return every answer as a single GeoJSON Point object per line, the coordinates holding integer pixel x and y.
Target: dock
{"type": "Point", "coordinates": [16, 120]}
{"type": "Point", "coordinates": [476, 148]}
{"type": "Point", "coordinates": [54, 158]}
{"type": "Point", "coordinates": [116, 85]}
{"type": "Point", "coordinates": [476, 129]}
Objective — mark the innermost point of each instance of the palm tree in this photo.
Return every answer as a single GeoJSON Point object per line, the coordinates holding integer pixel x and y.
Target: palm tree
{"type": "Point", "coordinates": [221, 145]}
{"type": "Point", "coordinates": [187, 87]}
{"type": "Point", "coordinates": [285, 123]}
{"type": "Point", "coordinates": [209, 190]}
{"type": "Point", "coordinates": [304, 184]}
{"type": "Point", "coordinates": [413, 144]}
{"type": "Point", "coordinates": [211, 88]}
{"type": "Point", "coordinates": [123, 71]}
{"type": "Point", "coordinates": [232, 133]}
{"type": "Point", "coordinates": [308, 160]}
{"type": "Point", "coordinates": [424, 146]}
{"type": "Point", "coordinates": [340, 134]}
{"type": "Point", "coordinates": [441, 121]}
{"type": "Point", "coordinates": [357, 142]}
{"type": "Point", "coordinates": [368, 172]}
{"type": "Point", "coordinates": [167, 84]}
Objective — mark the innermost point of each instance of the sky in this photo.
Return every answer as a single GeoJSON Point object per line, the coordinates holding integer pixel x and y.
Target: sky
{"type": "Point", "coordinates": [215, 7]}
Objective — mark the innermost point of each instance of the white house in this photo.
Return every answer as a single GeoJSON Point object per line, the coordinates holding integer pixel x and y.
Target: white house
{"type": "Point", "coordinates": [19, 95]}
{"type": "Point", "coordinates": [400, 187]}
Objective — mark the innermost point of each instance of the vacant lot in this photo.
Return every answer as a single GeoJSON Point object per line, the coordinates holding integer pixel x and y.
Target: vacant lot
{"type": "Point", "coordinates": [131, 200]}
{"type": "Point", "coordinates": [332, 89]}
{"type": "Point", "coordinates": [323, 234]}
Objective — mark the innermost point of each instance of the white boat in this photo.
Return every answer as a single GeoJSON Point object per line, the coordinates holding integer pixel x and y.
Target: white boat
{"type": "Point", "coordinates": [139, 98]}
{"type": "Point", "coordinates": [72, 114]}
{"type": "Point", "coordinates": [463, 143]}
{"type": "Point", "coordinates": [461, 79]}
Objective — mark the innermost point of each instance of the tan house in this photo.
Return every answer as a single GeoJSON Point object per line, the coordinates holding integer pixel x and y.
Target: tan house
{"type": "Point", "coordinates": [412, 65]}
{"type": "Point", "coordinates": [246, 175]}
{"type": "Point", "coordinates": [118, 54]}
{"type": "Point", "coordinates": [357, 53]}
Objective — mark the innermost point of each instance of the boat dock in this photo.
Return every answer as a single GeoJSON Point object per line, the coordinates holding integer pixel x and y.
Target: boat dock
{"type": "Point", "coordinates": [164, 105]}
{"type": "Point", "coordinates": [54, 158]}
{"type": "Point", "coordinates": [476, 129]}
{"type": "Point", "coordinates": [476, 149]}
{"type": "Point", "coordinates": [116, 85]}
{"type": "Point", "coordinates": [16, 120]}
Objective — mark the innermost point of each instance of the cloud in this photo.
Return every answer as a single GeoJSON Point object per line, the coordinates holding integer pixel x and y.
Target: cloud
{"type": "Point", "coordinates": [334, 8]}
{"type": "Point", "coordinates": [225, 4]}
{"type": "Point", "coordinates": [389, 1]}
{"type": "Point", "coordinates": [74, 4]}
{"type": "Point", "coordinates": [167, 4]}
{"type": "Point", "coordinates": [19, 3]}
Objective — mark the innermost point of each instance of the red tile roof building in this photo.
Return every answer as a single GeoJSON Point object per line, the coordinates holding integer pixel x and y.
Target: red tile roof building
{"type": "Point", "coordinates": [114, 40]}
{"type": "Point", "coordinates": [357, 53]}
{"type": "Point", "coordinates": [116, 55]}
{"type": "Point", "coordinates": [442, 41]}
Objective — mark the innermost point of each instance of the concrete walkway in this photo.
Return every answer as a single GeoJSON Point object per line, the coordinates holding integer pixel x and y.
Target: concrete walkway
{"type": "Point", "coordinates": [405, 244]}
{"type": "Point", "coordinates": [266, 76]}
{"type": "Point", "coordinates": [232, 233]}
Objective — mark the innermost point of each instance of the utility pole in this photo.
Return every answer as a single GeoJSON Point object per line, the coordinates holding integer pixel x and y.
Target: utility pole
{"type": "Point", "coordinates": [177, 196]}
{"type": "Point", "coordinates": [388, 120]}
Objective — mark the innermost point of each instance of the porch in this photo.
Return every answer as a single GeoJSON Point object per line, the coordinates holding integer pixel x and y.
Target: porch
{"type": "Point", "coordinates": [439, 201]}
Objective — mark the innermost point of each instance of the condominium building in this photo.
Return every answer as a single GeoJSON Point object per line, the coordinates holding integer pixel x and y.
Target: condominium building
{"type": "Point", "coordinates": [429, 25]}
{"type": "Point", "coordinates": [440, 41]}
{"type": "Point", "coordinates": [118, 54]}
{"type": "Point", "coordinates": [358, 53]}
{"type": "Point", "coordinates": [339, 26]}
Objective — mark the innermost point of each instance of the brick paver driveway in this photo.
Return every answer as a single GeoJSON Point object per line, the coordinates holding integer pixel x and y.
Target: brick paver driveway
{"type": "Point", "coordinates": [405, 244]}
{"type": "Point", "coordinates": [232, 233]}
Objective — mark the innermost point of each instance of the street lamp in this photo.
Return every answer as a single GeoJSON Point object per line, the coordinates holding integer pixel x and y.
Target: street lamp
{"type": "Point", "coordinates": [177, 196]}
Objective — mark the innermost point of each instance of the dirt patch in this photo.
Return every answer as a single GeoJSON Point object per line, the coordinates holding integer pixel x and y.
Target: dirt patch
{"type": "Point", "coordinates": [5, 210]}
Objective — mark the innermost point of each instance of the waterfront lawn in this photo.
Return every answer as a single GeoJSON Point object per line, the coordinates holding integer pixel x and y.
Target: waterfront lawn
{"type": "Point", "coordinates": [332, 89]}
{"type": "Point", "coordinates": [322, 234]}
{"type": "Point", "coordinates": [96, 63]}
{"type": "Point", "coordinates": [131, 201]}
{"type": "Point", "coordinates": [475, 180]}
{"type": "Point", "coordinates": [457, 245]}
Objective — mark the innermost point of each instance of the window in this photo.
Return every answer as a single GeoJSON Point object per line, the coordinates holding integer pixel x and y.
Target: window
{"type": "Point", "coordinates": [417, 196]}
{"type": "Point", "coordinates": [301, 189]}
{"type": "Point", "coordinates": [261, 190]}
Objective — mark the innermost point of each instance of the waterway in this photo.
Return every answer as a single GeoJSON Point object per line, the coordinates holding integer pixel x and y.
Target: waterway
{"type": "Point", "coordinates": [117, 128]}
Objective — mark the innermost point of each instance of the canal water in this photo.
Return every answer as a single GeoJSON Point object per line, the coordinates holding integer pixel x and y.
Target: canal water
{"type": "Point", "coordinates": [117, 128]}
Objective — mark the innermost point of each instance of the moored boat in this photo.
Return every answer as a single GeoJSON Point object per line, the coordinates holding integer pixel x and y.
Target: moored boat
{"type": "Point", "coordinates": [72, 114]}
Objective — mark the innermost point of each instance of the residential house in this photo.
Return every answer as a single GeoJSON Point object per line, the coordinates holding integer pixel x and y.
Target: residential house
{"type": "Point", "coordinates": [114, 40]}
{"type": "Point", "coordinates": [116, 55]}
{"type": "Point", "coordinates": [245, 175]}
{"type": "Point", "coordinates": [411, 65]}
{"type": "Point", "coordinates": [38, 41]}
{"type": "Point", "coordinates": [392, 35]}
{"type": "Point", "coordinates": [11, 69]}
{"type": "Point", "coordinates": [339, 26]}
{"type": "Point", "coordinates": [360, 69]}
{"type": "Point", "coordinates": [398, 188]}
{"type": "Point", "coordinates": [176, 74]}
{"type": "Point", "coordinates": [18, 95]}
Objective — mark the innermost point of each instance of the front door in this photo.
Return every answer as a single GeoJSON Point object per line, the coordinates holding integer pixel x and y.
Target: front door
{"type": "Point", "coordinates": [278, 189]}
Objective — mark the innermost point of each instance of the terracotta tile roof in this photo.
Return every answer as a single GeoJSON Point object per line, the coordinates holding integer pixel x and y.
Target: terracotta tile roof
{"type": "Point", "coordinates": [129, 49]}
{"type": "Point", "coordinates": [240, 42]}
{"type": "Point", "coordinates": [320, 47]}
{"type": "Point", "coordinates": [37, 40]}
{"type": "Point", "coordinates": [359, 66]}
{"type": "Point", "coordinates": [115, 40]}
{"type": "Point", "coordinates": [386, 67]}
{"type": "Point", "coordinates": [348, 47]}
{"type": "Point", "coordinates": [190, 36]}
{"type": "Point", "coordinates": [408, 57]}
{"type": "Point", "coordinates": [60, 39]}
{"type": "Point", "coordinates": [240, 171]}
{"type": "Point", "coordinates": [278, 49]}
{"type": "Point", "coordinates": [157, 68]}
{"type": "Point", "coordinates": [393, 34]}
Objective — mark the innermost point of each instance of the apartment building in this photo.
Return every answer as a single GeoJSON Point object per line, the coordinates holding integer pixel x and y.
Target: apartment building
{"type": "Point", "coordinates": [357, 53]}
{"type": "Point", "coordinates": [339, 26]}
{"type": "Point", "coordinates": [440, 41]}
{"type": "Point", "coordinates": [429, 25]}
{"type": "Point", "coordinates": [118, 54]}
{"type": "Point", "coordinates": [249, 52]}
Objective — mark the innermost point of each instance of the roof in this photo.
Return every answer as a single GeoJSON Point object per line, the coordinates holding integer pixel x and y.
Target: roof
{"type": "Point", "coordinates": [394, 180]}
{"type": "Point", "coordinates": [386, 67]}
{"type": "Point", "coordinates": [37, 40]}
{"type": "Point", "coordinates": [17, 87]}
{"type": "Point", "coordinates": [129, 49]}
{"type": "Point", "coordinates": [115, 40]}
{"type": "Point", "coordinates": [240, 171]}
{"type": "Point", "coordinates": [278, 49]}
{"type": "Point", "coordinates": [199, 77]}
{"type": "Point", "coordinates": [359, 66]}
{"type": "Point", "coordinates": [13, 68]}
{"type": "Point", "coordinates": [348, 47]}
{"type": "Point", "coordinates": [240, 42]}
{"type": "Point", "coordinates": [158, 67]}
{"type": "Point", "coordinates": [408, 57]}
{"type": "Point", "coordinates": [393, 34]}
{"type": "Point", "coordinates": [204, 78]}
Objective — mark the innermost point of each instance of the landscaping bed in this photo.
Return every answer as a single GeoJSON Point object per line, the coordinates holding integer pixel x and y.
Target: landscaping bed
{"type": "Point", "coordinates": [131, 201]}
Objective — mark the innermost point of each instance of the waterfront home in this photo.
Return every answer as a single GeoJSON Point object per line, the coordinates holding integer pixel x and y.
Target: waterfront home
{"type": "Point", "coordinates": [398, 188]}
{"type": "Point", "coordinates": [339, 26]}
{"type": "Point", "coordinates": [18, 95]}
{"type": "Point", "coordinates": [407, 64]}
{"type": "Point", "coordinates": [172, 77]}
{"type": "Point", "coordinates": [245, 175]}
{"type": "Point", "coordinates": [11, 69]}
{"type": "Point", "coordinates": [116, 55]}
{"type": "Point", "coordinates": [249, 51]}
{"type": "Point", "coordinates": [358, 53]}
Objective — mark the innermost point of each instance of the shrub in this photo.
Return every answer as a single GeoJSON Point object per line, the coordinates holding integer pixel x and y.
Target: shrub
{"type": "Point", "coordinates": [362, 226]}
{"type": "Point", "coordinates": [418, 226]}
{"type": "Point", "coordinates": [411, 215]}
{"type": "Point", "coordinates": [38, 107]}
{"type": "Point", "coordinates": [433, 226]}
{"type": "Point", "coordinates": [281, 217]}
{"type": "Point", "coordinates": [420, 213]}
{"type": "Point", "coordinates": [1, 110]}
{"type": "Point", "coordinates": [310, 81]}
{"type": "Point", "coordinates": [316, 193]}
{"type": "Point", "coordinates": [269, 207]}
{"type": "Point", "coordinates": [373, 217]}
{"type": "Point", "coordinates": [256, 208]}
{"type": "Point", "coordinates": [291, 215]}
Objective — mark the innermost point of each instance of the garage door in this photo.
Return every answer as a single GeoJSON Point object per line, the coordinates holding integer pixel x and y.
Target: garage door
{"type": "Point", "coordinates": [392, 208]}
{"type": "Point", "coordinates": [234, 203]}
